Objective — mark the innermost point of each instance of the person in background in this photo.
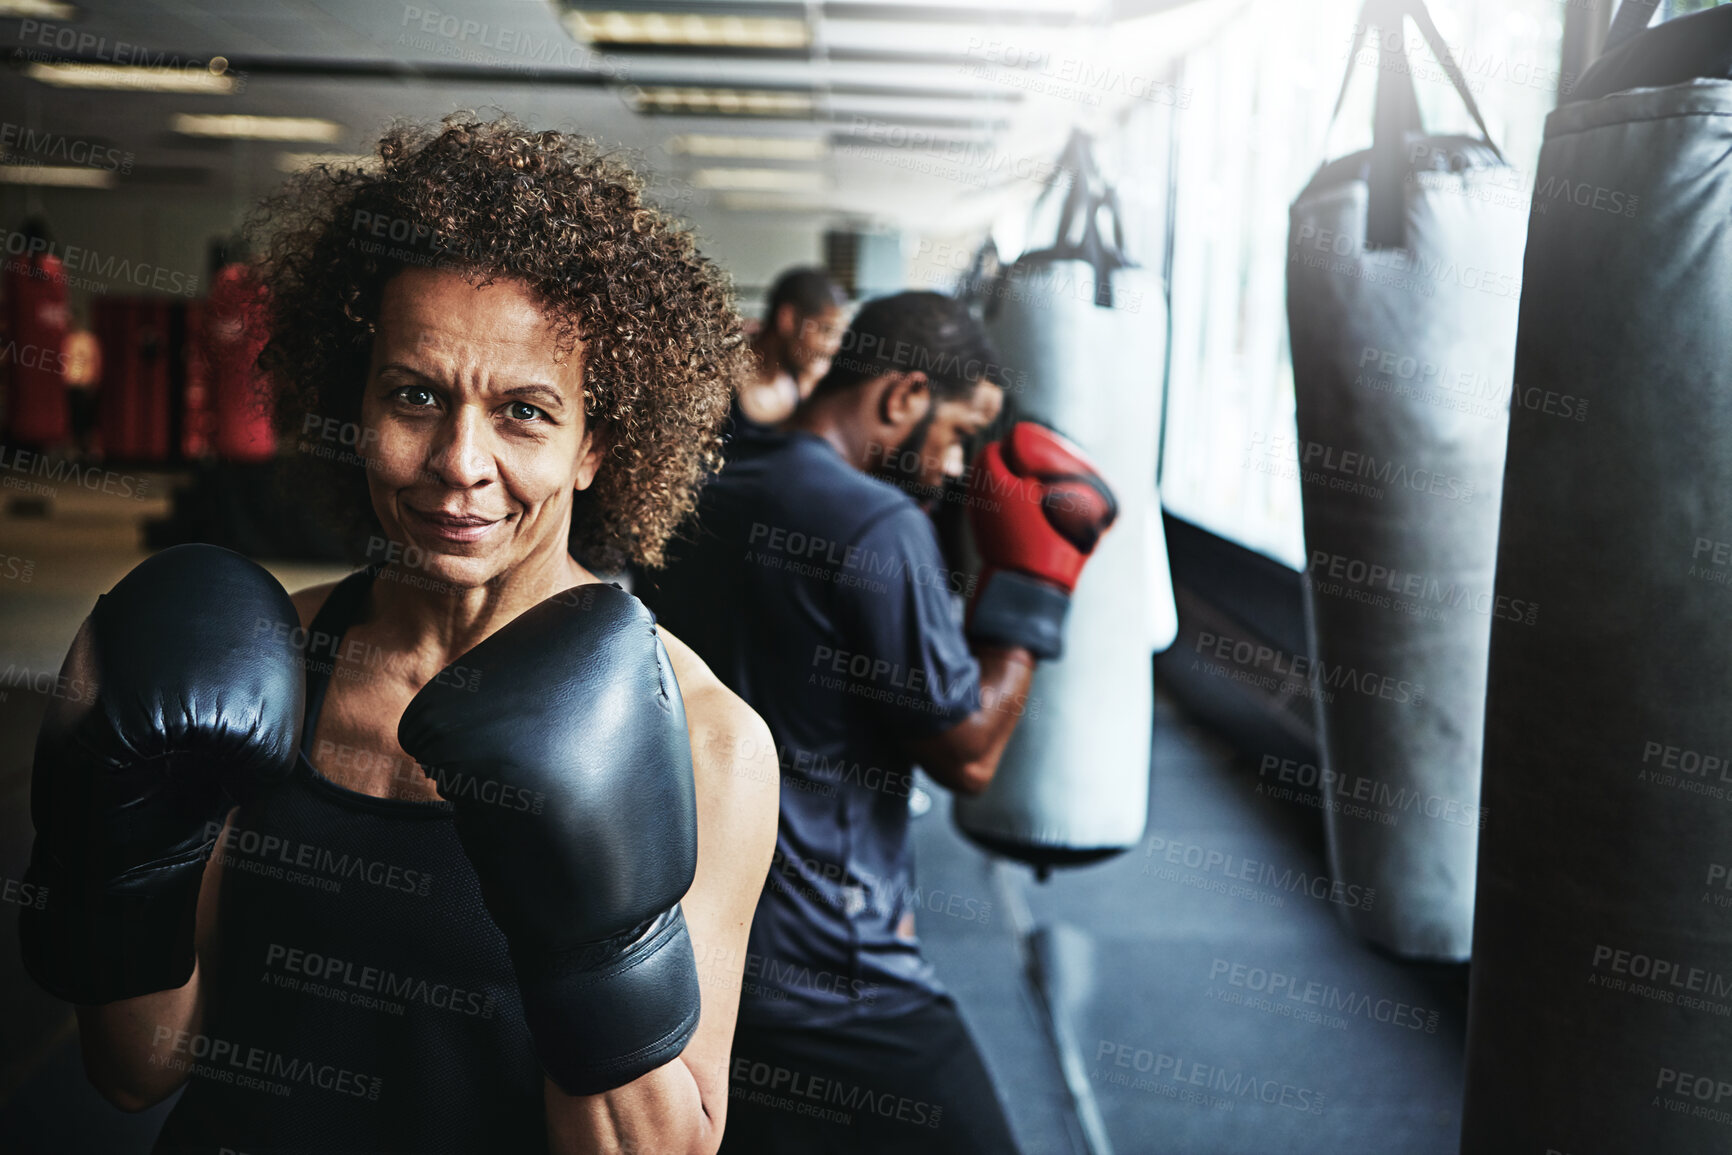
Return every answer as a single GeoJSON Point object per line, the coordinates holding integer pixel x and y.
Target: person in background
{"type": "Point", "coordinates": [813, 586]}
{"type": "Point", "coordinates": [801, 331]}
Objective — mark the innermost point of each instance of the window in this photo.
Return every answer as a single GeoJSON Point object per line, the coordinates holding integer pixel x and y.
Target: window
{"type": "Point", "coordinates": [1260, 95]}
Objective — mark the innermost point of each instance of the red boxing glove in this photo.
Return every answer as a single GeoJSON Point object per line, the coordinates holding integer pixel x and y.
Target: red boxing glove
{"type": "Point", "coordinates": [1038, 508]}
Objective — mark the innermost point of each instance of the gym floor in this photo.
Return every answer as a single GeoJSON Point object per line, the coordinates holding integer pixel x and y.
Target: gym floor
{"type": "Point", "coordinates": [1195, 1015]}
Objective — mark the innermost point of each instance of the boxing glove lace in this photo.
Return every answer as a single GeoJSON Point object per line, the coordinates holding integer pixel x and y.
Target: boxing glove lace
{"type": "Point", "coordinates": [181, 694]}
{"type": "Point", "coordinates": [1037, 508]}
{"type": "Point", "coordinates": [577, 705]}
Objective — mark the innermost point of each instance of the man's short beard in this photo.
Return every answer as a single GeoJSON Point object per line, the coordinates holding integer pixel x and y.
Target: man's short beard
{"type": "Point", "coordinates": [912, 448]}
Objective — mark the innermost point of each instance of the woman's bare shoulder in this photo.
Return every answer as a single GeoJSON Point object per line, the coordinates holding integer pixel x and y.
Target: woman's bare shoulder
{"type": "Point", "coordinates": [707, 698]}
{"type": "Point", "coordinates": [727, 734]}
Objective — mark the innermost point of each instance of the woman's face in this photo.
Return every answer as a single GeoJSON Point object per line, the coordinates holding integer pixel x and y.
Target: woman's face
{"type": "Point", "coordinates": [474, 427]}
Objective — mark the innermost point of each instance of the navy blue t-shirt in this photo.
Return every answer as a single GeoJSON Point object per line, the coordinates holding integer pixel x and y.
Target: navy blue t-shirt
{"type": "Point", "coordinates": [819, 595]}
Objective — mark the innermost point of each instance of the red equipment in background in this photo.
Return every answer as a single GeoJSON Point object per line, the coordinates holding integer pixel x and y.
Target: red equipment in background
{"type": "Point", "coordinates": [227, 404]}
{"type": "Point", "coordinates": [136, 418]}
{"type": "Point", "coordinates": [198, 417]}
{"type": "Point", "coordinates": [231, 335]}
{"type": "Point", "coordinates": [36, 410]}
{"type": "Point", "coordinates": [179, 381]}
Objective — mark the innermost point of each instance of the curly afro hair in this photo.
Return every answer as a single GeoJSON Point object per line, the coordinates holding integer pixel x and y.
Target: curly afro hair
{"type": "Point", "coordinates": [494, 200]}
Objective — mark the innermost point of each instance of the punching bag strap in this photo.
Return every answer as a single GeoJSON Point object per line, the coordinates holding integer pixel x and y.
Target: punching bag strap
{"type": "Point", "coordinates": [1103, 256]}
{"type": "Point", "coordinates": [1396, 116]}
{"type": "Point", "coordinates": [1434, 41]}
{"type": "Point", "coordinates": [1397, 111]}
{"type": "Point", "coordinates": [1633, 17]}
{"type": "Point", "coordinates": [1078, 160]}
{"type": "Point", "coordinates": [1109, 200]}
{"type": "Point", "coordinates": [1084, 201]}
{"type": "Point", "coordinates": [1386, 15]}
{"type": "Point", "coordinates": [977, 281]}
{"type": "Point", "coordinates": [1075, 163]}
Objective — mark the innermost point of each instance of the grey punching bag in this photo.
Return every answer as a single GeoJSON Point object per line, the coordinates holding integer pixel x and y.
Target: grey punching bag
{"type": "Point", "coordinates": [1082, 335]}
{"type": "Point", "coordinates": [1402, 281]}
{"type": "Point", "coordinates": [1600, 1013]}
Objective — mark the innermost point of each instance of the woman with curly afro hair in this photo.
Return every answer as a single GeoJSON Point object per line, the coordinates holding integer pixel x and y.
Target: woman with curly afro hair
{"type": "Point", "coordinates": [501, 902]}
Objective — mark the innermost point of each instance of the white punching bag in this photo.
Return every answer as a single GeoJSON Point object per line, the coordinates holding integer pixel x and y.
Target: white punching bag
{"type": "Point", "coordinates": [1083, 335]}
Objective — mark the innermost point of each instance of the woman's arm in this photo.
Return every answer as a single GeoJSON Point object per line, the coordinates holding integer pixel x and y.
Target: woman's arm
{"type": "Point", "coordinates": [137, 1051]}
{"type": "Point", "coordinates": [680, 1107]}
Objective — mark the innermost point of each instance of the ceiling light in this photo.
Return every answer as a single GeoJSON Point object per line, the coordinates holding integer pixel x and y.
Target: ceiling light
{"type": "Point", "coordinates": [747, 147]}
{"type": "Point", "coordinates": [38, 10]}
{"type": "Point", "coordinates": [761, 202]}
{"type": "Point", "coordinates": [198, 79]}
{"type": "Point", "coordinates": [985, 11]}
{"type": "Point", "coordinates": [302, 161]}
{"type": "Point", "coordinates": [688, 30]}
{"type": "Point", "coordinates": [56, 176]}
{"type": "Point", "coordinates": [759, 179]}
{"type": "Point", "coordinates": [721, 101]}
{"type": "Point", "coordinates": [297, 128]}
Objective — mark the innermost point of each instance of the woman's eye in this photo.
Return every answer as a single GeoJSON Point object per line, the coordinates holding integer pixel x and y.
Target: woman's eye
{"type": "Point", "coordinates": [523, 411]}
{"type": "Point", "coordinates": [415, 396]}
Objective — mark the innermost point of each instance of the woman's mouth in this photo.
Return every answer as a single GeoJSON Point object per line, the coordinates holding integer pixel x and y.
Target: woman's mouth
{"type": "Point", "coordinates": [454, 527]}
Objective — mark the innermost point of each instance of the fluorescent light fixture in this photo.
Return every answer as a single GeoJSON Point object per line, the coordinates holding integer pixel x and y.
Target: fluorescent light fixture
{"type": "Point", "coordinates": [988, 11]}
{"type": "Point", "coordinates": [764, 202]}
{"type": "Point", "coordinates": [961, 41]}
{"type": "Point", "coordinates": [234, 127]}
{"type": "Point", "coordinates": [56, 176]}
{"type": "Point", "coordinates": [687, 29]}
{"type": "Point", "coordinates": [302, 161]}
{"type": "Point", "coordinates": [759, 179]}
{"type": "Point", "coordinates": [38, 10]}
{"type": "Point", "coordinates": [199, 79]}
{"type": "Point", "coordinates": [747, 147]}
{"type": "Point", "coordinates": [721, 101]}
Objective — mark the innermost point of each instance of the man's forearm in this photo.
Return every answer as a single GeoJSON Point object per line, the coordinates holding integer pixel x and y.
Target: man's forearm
{"type": "Point", "coordinates": [965, 757]}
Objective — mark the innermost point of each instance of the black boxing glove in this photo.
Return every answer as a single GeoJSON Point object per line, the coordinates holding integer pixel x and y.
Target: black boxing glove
{"type": "Point", "coordinates": [181, 694]}
{"type": "Point", "coordinates": [576, 707]}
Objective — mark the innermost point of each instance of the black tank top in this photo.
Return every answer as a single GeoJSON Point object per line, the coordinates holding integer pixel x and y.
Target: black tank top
{"type": "Point", "coordinates": [361, 998]}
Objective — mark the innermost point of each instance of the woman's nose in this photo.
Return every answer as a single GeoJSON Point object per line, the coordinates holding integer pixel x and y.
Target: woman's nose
{"type": "Point", "coordinates": [459, 455]}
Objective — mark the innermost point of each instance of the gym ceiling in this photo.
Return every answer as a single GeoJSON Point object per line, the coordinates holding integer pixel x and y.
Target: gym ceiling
{"type": "Point", "coordinates": [830, 112]}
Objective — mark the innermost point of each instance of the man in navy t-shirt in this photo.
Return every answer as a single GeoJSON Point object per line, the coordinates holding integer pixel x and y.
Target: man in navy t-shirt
{"type": "Point", "coordinates": [814, 586]}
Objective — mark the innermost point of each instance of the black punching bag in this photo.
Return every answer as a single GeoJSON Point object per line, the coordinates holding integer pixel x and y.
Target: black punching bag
{"type": "Point", "coordinates": [1401, 299]}
{"type": "Point", "coordinates": [1601, 1006]}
